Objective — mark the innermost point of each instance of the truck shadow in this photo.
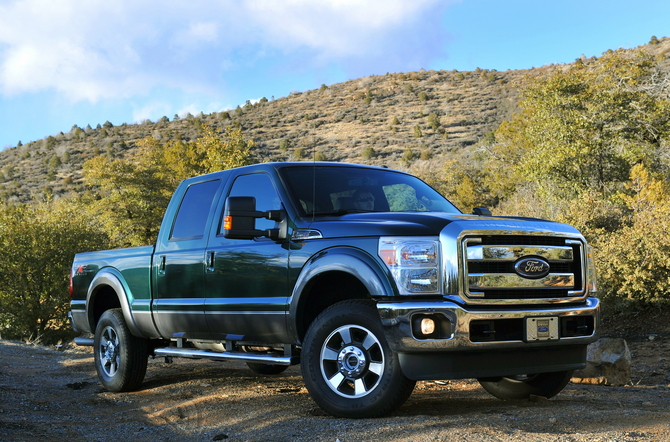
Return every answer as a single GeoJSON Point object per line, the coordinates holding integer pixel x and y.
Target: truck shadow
{"type": "Point", "coordinates": [228, 399]}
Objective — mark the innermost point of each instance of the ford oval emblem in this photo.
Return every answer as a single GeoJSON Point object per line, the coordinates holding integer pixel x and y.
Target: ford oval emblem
{"type": "Point", "coordinates": [532, 267]}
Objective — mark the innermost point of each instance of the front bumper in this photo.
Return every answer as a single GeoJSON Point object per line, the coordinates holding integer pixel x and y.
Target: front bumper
{"type": "Point", "coordinates": [488, 342]}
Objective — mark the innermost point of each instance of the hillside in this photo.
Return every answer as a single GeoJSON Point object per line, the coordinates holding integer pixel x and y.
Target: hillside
{"type": "Point", "coordinates": [390, 119]}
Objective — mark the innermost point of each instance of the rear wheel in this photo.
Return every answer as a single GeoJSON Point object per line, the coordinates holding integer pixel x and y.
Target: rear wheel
{"type": "Point", "coordinates": [522, 387]}
{"type": "Point", "coordinates": [120, 358]}
{"type": "Point", "coordinates": [347, 365]}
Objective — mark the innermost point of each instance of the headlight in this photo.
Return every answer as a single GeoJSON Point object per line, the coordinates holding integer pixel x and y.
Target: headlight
{"type": "Point", "coordinates": [591, 263]}
{"type": "Point", "coordinates": [414, 263]}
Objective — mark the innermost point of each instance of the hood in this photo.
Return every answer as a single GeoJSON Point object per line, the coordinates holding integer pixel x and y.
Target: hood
{"type": "Point", "coordinates": [426, 224]}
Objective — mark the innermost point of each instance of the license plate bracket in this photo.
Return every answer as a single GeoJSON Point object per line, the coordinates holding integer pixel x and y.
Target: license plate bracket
{"type": "Point", "coordinates": [542, 328]}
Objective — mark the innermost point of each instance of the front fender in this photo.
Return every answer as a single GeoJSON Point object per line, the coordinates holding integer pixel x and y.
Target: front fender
{"type": "Point", "coordinates": [109, 277]}
{"type": "Point", "coordinates": [356, 262]}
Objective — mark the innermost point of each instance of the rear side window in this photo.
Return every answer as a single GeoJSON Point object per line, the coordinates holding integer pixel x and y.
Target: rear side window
{"type": "Point", "coordinates": [194, 211]}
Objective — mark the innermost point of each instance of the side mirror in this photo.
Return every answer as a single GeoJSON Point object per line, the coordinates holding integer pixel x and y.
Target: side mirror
{"type": "Point", "coordinates": [239, 219]}
{"type": "Point", "coordinates": [481, 211]}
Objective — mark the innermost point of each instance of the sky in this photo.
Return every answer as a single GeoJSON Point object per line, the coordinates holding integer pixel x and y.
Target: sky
{"type": "Point", "coordinates": [73, 62]}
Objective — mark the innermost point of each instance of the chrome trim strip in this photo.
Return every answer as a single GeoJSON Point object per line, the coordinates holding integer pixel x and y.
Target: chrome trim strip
{"type": "Point", "coordinates": [504, 281]}
{"type": "Point", "coordinates": [513, 253]}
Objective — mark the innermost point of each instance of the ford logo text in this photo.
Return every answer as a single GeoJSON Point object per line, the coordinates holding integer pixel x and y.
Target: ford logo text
{"type": "Point", "coordinates": [532, 267]}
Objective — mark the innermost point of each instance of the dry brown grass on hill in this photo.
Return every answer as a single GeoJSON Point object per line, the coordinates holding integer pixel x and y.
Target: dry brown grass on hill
{"type": "Point", "coordinates": [390, 119]}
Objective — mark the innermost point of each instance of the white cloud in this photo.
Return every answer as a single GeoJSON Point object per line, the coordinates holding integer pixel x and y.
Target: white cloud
{"type": "Point", "coordinates": [97, 49]}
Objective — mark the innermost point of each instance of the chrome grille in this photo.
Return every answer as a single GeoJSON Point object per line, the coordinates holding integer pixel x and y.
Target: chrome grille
{"type": "Point", "coordinates": [490, 273]}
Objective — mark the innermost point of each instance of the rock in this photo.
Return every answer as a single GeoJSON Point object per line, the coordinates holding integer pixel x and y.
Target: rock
{"type": "Point", "coordinates": [608, 362]}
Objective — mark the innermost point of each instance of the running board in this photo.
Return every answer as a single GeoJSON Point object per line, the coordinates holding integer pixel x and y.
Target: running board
{"type": "Point", "coordinates": [226, 356]}
{"type": "Point", "coordinates": [84, 342]}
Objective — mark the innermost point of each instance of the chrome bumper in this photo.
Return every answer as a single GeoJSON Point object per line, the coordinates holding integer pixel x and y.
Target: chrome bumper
{"type": "Point", "coordinates": [397, 321]}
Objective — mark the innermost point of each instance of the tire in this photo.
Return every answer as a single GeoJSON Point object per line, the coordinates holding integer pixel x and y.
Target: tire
{"type": "Point", "coordinates": [266, 368]}
{"type": "Point", "coordinates": [120, 358]}
{"type": "Point", "coordinates": [522, 387]}
{"type": "Point", "coordinates": [347, 365]}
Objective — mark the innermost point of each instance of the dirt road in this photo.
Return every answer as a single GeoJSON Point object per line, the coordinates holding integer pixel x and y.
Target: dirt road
{"type": "Point", "coordinates": [54, 395]}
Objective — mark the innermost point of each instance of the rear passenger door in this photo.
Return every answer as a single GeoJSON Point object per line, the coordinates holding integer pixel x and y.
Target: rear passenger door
{"type": "Point", "coordinates": [179, 265]}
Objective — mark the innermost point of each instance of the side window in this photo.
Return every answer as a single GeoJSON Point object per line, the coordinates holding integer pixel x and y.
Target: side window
{"type": "Point", "coordinates": [194, 210]}
{"type": "Point", "coordinates": [258, 185]}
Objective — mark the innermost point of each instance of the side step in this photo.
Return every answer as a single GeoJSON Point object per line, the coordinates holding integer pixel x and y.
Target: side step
{"type": "Point", "coordinates": [226, 356]}
{"type": "Point", "coordinates": [84, 342]}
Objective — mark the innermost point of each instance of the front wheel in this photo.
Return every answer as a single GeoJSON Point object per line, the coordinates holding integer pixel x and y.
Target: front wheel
{"type": "Point", "coordinates": [347, 365]}
{"type": "Point", "coordinates": [120, 358]}
{"type": "Point", "coordinates": [522, 387]}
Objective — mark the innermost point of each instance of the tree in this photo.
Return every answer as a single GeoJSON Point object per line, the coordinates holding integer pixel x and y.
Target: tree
{"type": "Point", "coordinates": [133, 193]}
{"type": "Point", "coordinates": [220, 153]}
{"type": "Point", "coordinates": [634, 261]}
{"type": "Point", "coordinates": [38, 243]}
{"type": "Point", "coordinates": [585, 127]}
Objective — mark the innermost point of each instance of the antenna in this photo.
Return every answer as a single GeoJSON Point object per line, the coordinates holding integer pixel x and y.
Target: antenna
{"type": "Point", "coordinates": [313, 182]}
{"type": "Point", "coordinates": [313, 190]}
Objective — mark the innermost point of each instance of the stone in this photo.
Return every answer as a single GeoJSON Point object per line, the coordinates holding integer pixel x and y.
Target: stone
{"type": "Point", "coordinates": [608, 362]}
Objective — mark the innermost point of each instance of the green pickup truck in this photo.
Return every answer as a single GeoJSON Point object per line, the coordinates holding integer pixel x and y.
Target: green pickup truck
{"type": "Point", "coordinates": [366, 276]}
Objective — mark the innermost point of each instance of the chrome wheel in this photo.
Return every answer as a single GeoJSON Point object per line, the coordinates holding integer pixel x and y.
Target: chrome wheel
{"type": "Point", "coordinates": [109, 351]}
{"type": "Point", "coordinates": [352, 361]}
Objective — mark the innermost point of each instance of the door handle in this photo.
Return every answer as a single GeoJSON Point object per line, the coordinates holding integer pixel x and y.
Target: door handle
{"type": "Point", "coordinates": [161, 265]}
{"type": "Point", "coordinates": [210, 261]}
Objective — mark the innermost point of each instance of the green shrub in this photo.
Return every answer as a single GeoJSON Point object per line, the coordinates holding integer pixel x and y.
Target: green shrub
{"type": "Point", "coordinates": [299, 153]}
{"type": "Point", "coordinates": [38, 243]}
{"type": "Point", "coordinates": [408, 156]}
{"type": "Point", "coordinates": [433, 120]}
{"type": "Point", "coordinates": [368, 153]}
{"type": "Point", "coordinates": [634, 261]}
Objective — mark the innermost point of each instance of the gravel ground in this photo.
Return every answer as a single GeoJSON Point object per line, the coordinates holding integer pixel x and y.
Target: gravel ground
{"type": "Point", "coordinates": [47, 395]}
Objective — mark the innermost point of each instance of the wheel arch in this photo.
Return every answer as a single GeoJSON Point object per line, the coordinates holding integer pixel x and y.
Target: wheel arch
{"type": "Point", "coordinates": [331, 276]}
{"type": "Point", "coordinates": [107, 291]}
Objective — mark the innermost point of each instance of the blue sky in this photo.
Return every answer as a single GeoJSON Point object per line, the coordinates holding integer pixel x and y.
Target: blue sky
{"type": "Point", "coordinates": [67, 62]}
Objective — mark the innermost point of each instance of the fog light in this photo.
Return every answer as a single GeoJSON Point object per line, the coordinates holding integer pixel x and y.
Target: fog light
{"type": "Point", "coordinates": [427, 326]}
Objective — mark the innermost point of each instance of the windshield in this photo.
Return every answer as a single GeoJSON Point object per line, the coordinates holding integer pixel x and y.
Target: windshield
{"type": "Point", "coordinates": [336, 190]}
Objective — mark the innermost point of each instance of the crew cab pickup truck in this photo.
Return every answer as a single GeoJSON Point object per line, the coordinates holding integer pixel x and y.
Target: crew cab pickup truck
{"type": "Point", "coordinates": [366, 276]}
